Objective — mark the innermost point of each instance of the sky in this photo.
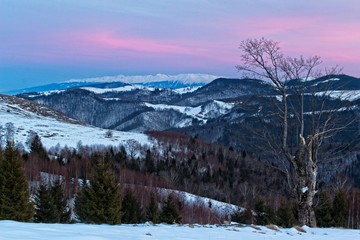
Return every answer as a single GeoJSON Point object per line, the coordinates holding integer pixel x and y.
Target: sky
{"type": "Point", "coordinates": [44, 41]}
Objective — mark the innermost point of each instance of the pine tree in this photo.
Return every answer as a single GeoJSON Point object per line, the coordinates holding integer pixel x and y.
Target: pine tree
{"type": "Point", "coordinates": [100, 201]}
{"type": "Point", "coordinates": [340, 209]}
{"type": "Point", "coordinates": [2, 180]}
{"type": "Point", "coordinates": [14, 195]}
{"type": "Point", "coordinates": [82, 202]}
{"type": "Point", "coordinates": [44, 206]}
{"type": "Point", "coordinates": [243, 216]}
{"type": "Point", "coordinates": [264, 214]}
{"type": "Point", "coordinates": [131, 209]}
{"type": "Point", "coordinates": [169, 213]}
{"type": "Point", "coordinates": [149, 162]}
{"type": "Point", "coordinates": [152, 211]}
{"type": "Point", "coordinates": [285, 215]}
{"type": "Point", "coordinates": [63, 212]}
{"type": "Point", "coordinates": [37, 147]}
{"type": "Point", "coordinates": [324, 211]}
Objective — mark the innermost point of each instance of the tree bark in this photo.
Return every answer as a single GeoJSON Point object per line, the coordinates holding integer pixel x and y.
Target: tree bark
{"type": "Point", "coordinates": [306, 184]}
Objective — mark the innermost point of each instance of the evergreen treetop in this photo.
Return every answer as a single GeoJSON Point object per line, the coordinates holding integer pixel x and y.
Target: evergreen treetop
{"type": "Point", "coordinates": [152, 211]}
{"type": "Point", "coordinates": [131, 209]}
{"type": "Point", "coordinates": [14, 196]}
{"type": "Point", "coordinates": [170, 213]}
{"type": "Point", "coordinates": [99, 202]}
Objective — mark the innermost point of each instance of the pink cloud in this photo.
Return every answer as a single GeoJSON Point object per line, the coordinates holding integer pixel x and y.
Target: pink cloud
{"type": "Point", "coordinates": [334, 41]}
{"type": "Point", "coordinates": [105, 41]}
{"type": "Point", "coordinates": [105, 47]}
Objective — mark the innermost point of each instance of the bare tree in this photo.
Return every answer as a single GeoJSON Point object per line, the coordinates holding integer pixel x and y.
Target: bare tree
{"type": "Point", "coordinates": [263, 59]}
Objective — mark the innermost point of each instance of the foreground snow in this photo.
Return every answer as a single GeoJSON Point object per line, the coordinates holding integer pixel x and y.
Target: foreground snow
{"type": "Point", "coordinates": [14, 230]}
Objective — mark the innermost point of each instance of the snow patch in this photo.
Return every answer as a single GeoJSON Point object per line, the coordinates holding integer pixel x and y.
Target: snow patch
{"type": "Point", "coordinates": [349, 95]}
{"type": "Point", "coordinates": [104, 90]}
{"type": "Point", "coordinates": [304, 79]}
{"type": "Point", "coordinates": [304, 189]}
{"type": "Point", "coordinates": [327, 80]}
{"type": "Point", "coordinates": [47, 93]}
{"type": "Point", "coordinates": [202, 113]}
{"type": "Point", "coordinates": [186, 90]}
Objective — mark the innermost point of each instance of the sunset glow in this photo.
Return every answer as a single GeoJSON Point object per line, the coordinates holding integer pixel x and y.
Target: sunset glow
{"type": "Point", "coordinates": [50, 41]}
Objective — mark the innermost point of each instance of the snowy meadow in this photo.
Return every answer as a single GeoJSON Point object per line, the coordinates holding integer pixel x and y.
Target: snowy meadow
{"type": "Point", "coordinates": [16, 230]}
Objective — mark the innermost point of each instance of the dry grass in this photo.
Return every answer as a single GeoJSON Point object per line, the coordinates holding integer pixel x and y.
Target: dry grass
{"type": "Point", "coordinates": [299, 229]}
{"type": "Point", "coordinates": [273, 227]}
{"type": "Point", "coordinates": [255, 227]}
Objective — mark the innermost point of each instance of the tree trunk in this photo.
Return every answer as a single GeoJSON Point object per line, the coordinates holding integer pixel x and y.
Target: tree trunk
{"type": "Point", "coordinates": [306, 214]}
{"type": "Point", "coordinates": [285, 119]}
{"type": "Point", "coordinates": [306, 185]}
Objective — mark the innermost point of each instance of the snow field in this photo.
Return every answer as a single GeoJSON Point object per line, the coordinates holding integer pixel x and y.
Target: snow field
{"type": "Point", "coordinates": [53, 132]}
{"type": "Point", "coordinates": [30, 231]}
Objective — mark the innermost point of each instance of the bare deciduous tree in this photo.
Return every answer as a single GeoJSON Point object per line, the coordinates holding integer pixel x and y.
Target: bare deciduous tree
{"type": "Point", "coordinates": [263, 59]}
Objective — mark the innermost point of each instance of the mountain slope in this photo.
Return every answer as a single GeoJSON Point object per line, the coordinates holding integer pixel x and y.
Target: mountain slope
{"type": "Point", "coordinates": [54, 128]}
{"type": "Point", "coordinates": [227, 89]}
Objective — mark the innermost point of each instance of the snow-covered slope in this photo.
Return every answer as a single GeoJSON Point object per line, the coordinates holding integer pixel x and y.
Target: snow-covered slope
{"type": "Point", "coordinates": [129, 88]}
{"type": "Point", "coordinates": [104, 90]}
{"type": "Point", "coordinates": [54, 128]}
{"type": "Point", "coordinates": [14, 230]}
{"type": "Point", "coordinates": [221, 208]}
{"type": "Point", "coordinates": [203, 113]}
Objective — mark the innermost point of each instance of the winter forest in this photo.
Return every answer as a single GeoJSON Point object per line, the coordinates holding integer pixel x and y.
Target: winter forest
{"type": "Point", "coordinates": [179, 119]}
{"type": "Point", "coordinates": [115, 185]}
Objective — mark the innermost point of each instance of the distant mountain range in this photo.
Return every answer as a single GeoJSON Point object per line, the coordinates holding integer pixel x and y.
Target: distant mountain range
{"type": "Point", "coordinates": [189, 78]}
{"type": "Point", "coordinates": [153, 81]}
{"type": "Point", "coordinates": [163, 105]}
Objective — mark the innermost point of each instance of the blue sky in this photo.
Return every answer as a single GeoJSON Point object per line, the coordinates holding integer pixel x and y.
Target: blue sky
{"type": "Point", "coordinates": [45, 41]}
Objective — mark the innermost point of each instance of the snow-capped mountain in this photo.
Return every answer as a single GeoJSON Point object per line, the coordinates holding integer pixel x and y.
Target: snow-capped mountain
{"type": "Point", "coordinates": [183, 82]}
{"type": "Point", "coordinates": [191, 78]}
{"type": "Point", "coordinates": [53, 128]}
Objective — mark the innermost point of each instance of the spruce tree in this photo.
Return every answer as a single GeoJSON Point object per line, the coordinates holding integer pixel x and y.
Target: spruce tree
{"type": "Point", "coordinates": [14, 195]}
{"type": "Point", "coordinates": [169, 213]}
{"type": "Point", "coordinates": [82, 202]}
{"type": "Point", "coordinates": [99, 202]}
{"type": "Point", "coordinates": [149, 162]}
{"type": "Point", "coordinates": [152, 211]}
{"type": "Point", "coordinates": [37, 148]}
{"type": "Point", "coordinates": [63, 212]}
{"type": "Point", "coordinates": [285, 215]}
{"type": "Point", "coordinates": [264, 213]}
{"type": "Point", "coordinates": [243, 216]}
{"type": "Point", "coordinates": [131, 209]}
{"type": "Point", "coordinates": [1, 180]}
{"type": "Point", "coordinates": [340, 209]}
{"type": "Point", "coordinates": [324, 211]}
{"type": "Point", "coordinates": [44, 206]}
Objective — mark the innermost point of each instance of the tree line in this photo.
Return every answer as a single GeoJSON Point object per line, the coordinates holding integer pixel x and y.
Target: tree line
{"type": "Point", "coordinates": [115, 186]}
